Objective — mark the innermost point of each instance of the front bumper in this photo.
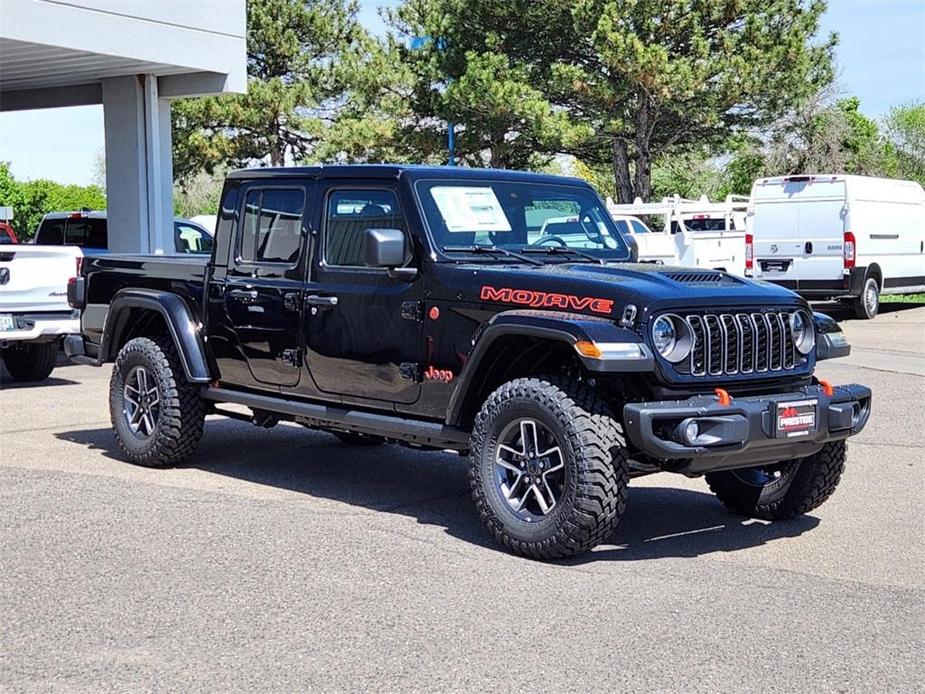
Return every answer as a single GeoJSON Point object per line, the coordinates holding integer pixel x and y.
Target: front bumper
{"type": "Point", "coordinates": [742, 432]}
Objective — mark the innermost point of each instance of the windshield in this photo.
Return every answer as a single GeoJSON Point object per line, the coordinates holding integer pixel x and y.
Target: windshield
{"type": "Point", "coordinates": [520, 216]}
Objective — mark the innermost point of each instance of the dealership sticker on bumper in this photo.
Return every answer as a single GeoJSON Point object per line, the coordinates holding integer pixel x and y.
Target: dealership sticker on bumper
{"type": "Point", "coordinates": [796, 418]}
{"type": "Point", "coordinates": [7, 322]}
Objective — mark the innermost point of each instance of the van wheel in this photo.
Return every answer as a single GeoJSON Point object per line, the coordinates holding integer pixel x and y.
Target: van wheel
{"type": "Point", "coordinates": [867, 305]}
{"type": "Point", "coordinates": [547, 467]}
{"type": "Point", "coordinates": [156, 413]}
{"type": "Point", "coordinates": [32, 361]}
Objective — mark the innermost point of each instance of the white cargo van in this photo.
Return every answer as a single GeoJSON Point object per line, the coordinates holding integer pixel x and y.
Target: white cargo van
{"type": "Point", "coordinates": [851, 238]}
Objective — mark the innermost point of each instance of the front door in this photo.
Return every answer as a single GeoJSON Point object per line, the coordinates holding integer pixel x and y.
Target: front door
{"type": "Point", "coordinates": [263, 285]}
{"type": "Point", "coordinates": [363, 328]}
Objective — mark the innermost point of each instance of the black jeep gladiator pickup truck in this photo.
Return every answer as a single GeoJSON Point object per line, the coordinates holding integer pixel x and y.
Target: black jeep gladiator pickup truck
{"type": "Point", "coordinates": [494, 313]}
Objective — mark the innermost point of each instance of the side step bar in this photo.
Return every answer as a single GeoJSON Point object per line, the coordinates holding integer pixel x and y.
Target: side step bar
{"type": "Point", "coordinates": [431, 434]}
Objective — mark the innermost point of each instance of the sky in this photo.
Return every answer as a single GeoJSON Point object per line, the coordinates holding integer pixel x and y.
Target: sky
{"type": "Point", "coordinates": [880, 58]}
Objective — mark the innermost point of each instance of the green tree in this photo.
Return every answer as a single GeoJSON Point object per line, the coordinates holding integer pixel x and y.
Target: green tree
{"type": "Point", "coordinates": [905, 133]}
{"type": "Point", "coordinates": [636, 79]}
{"type": "Point", "coordinates": [32, 200]}
{"type": "Point", "coordinates": [297, 51]}
{"type": "Point", "coordinates": [819, 136]}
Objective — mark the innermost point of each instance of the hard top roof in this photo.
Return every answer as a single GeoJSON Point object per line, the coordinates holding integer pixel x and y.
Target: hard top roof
{"type": "Point", "coordinates": [396, 171]}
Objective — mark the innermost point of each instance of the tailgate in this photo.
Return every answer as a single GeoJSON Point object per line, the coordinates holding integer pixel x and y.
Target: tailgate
{"type": "Point", "coordinates": [34, 278]}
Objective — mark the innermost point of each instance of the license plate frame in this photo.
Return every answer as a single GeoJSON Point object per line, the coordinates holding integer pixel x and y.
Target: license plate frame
{"type": "Point", "coordinates": [795, 418]}
{"type": "Point", "coordinates": [7, 322]}
{"type": "Point", "coordinates": [778, 266]}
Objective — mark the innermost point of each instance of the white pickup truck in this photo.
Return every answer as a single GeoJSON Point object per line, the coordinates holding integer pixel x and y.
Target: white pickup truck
{"type": "Point", "coordinates": [34, 313]}
{"type": "Point", "coordinates": [696, 233]}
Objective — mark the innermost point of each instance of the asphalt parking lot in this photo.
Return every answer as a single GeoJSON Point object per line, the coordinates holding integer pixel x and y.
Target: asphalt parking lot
{"type": "Point", "coordinates": [282, 560]}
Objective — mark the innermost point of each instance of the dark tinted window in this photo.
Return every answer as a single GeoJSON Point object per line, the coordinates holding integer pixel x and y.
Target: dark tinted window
{"type": "Point", "coordinates": [86, 232]}
{"type": "Point", "coordinates": [271, 230]}
{"type": "Point", "coordinates": [701, 224]}
{"type": "Point", "coordinates": [5, 237]}
{"type": "Point", "coordinates": [350, 213]}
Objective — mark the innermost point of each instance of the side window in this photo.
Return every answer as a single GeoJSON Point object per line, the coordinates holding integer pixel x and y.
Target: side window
{"type": "Point", "coordinates": [622, 226]}
{"type": "Point", "coordinates": [639, 227]}
{"type": "Point", "coordinates": [271, 228]}
{"type": "Point", "coordinates": [190, 239]}
{"type": "Point", "coordinates": [349, 214]}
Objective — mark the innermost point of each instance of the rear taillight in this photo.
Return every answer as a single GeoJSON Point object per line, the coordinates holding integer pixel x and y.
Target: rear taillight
{"type": "Point", "coordinates": [850, 250]}
{"type": "Point", "coordinates": [749, 252]}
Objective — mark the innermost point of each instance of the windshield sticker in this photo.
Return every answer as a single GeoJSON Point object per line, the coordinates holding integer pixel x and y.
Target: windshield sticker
{"type": "Point", "coordinates": [467, 209]}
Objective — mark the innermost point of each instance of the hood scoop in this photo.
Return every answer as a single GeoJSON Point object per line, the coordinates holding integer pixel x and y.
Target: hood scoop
{"type": "Point", "coordinates": [700, 277]}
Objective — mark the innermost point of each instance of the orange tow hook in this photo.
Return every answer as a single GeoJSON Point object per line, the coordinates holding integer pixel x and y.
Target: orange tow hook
{"type": "Point", "coordinates": [827, 388]}
{"type": "Point", "coordinates": [724, 398]}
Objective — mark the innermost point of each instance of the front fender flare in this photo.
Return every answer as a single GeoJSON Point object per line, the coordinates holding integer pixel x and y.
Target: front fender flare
{"type": "Point", "coordinates": [623, 351]}
{"type": "Point", "coordinates": [184, 328]}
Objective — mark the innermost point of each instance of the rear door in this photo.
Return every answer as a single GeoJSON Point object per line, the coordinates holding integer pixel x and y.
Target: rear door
{"type": "Point", "coordinates": [261, 291]}
{"type": "Point", "coordinates": [776, 232]}
{"type": "Point", "coordinates": [822, 211]}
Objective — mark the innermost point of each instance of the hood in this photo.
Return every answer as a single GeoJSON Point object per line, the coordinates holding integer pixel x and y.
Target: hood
{"type": "Point", "coordinates": [606, 289]}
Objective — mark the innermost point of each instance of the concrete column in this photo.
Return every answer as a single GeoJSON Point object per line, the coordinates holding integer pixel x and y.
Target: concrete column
{"type": "Point", "coordinates": [139, 166]}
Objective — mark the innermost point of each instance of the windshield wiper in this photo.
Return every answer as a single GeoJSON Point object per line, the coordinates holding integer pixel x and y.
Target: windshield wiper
{"type": "Point", "coordinates": [557, 250]}
{"type": "Point", "coordinates": [476, 249]}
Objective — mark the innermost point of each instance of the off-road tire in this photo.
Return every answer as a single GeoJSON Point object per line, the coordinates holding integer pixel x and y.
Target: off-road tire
{"type": "Point", "coordinates": [352, 438]}
{"type": "Point", "coordinates": [595, 493]}
{"type": "Point", "coordinates": [803, 485]}
{"type": "Point", "coordinates": [179, 424]}
{"type": "Point", "coordinates": [867, 305]}
{"type": "Point", "coordinates": [31, 362]}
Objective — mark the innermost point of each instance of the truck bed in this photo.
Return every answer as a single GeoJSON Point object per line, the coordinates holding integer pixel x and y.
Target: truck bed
{"type": "Point", "coordinates": [108, 274]}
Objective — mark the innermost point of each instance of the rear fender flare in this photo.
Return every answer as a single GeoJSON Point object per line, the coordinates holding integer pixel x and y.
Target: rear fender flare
{"type": "Point", "coordinates": [567, 328]}
{"type": "Point", "coordinates": [184, 328]}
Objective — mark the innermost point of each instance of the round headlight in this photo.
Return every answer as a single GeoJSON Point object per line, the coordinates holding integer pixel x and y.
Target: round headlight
{"type": "Point", "coordinates": [664, 335]}
{"type": "Point", "coordinates": [801, 329]}
{"type": "Point", "coordinates": [671, 337]}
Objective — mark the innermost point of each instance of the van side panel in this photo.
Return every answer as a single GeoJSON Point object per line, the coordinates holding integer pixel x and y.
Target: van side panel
{"type": "Point", "coordinates": [888, 221]}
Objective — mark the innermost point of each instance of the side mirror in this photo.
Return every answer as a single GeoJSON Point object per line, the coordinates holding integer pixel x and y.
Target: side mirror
{"type": "Point", "coordinates": [634, 248]}
{"type": "Point", "coordinates": [385, 248]}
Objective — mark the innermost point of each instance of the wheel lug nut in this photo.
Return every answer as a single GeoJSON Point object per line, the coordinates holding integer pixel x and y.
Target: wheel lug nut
{"type": "Point", "coordinates": [522, 464]}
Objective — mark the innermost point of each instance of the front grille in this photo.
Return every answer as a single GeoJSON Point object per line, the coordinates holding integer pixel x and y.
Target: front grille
{"type": "Point", "coordinates": [729, 344]}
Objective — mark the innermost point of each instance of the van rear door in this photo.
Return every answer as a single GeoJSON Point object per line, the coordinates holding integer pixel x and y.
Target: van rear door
{"type": "Point", "coordinates": [823, 209]}
{"type": "Point", "coordinates": [798, 230]}
{"type": "Point", "coordinates": [776, 231]}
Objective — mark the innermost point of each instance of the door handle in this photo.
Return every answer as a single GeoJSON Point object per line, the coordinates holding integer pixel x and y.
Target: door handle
{"type": "Point", "coordinates": [321, 301]}
{"type": "Point", "coordinates": [809, 247]}
{"type": "Point", "coordinates": [245, 296]}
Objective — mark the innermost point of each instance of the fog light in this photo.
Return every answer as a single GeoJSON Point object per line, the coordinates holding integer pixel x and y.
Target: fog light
{"type": "Point", "coordinates": [691, 432]}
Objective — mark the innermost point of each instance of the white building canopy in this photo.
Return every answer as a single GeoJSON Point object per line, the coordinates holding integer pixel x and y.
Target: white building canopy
{"type": "Point", "coordinates": [131, 56]}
